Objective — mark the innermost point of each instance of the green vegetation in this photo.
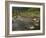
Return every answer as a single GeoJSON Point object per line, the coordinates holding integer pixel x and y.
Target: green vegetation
{"type": "Point", "coordinates": [25, 11]}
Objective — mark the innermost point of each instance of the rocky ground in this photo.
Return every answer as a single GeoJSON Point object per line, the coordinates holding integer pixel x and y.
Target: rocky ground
{"type": "Point", "coordinates": [25, 23]}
